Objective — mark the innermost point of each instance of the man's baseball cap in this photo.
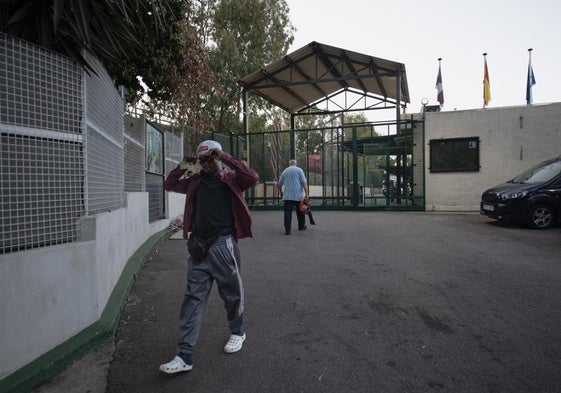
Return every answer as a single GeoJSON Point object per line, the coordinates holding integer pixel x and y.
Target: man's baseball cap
{"type": "Point", "coordinates": [206, 146]}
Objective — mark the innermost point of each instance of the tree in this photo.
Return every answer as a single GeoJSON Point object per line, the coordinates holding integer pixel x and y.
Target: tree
{"type": "Point", "coordinates": [150, 39]}
{"type": "Point", "coordinates": [181, 58]}
{"type": "Point", "coordinates": [68, 26]}
{"type": "Point", "coordinates": [189, 78]}
{"type": "Point", "coordinates": [359, 121]}
{"type": "Point", "coordinates": [246, 36]}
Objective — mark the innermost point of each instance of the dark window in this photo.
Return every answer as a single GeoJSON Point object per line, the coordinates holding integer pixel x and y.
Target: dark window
{"type": "Point", "coordinates": [454, 155]}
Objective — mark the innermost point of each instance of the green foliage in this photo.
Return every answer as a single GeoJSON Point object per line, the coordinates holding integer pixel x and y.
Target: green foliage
{"type": "Point", "coordinates": [68, 26]}
{"type": "Point", "coordinates": [358, 120]}
{"type": "Point", "coordinates": [189, 55]}
{"type": "Point", "coordinates": [148, 39]}
{"type": "Point", "coordinates": [246, 36]}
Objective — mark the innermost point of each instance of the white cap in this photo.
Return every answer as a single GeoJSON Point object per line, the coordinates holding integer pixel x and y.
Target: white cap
{"type": "Point", "coordinates": [206, 146]}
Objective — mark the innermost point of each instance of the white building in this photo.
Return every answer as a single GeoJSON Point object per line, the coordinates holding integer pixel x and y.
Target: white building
{"type": "Point", "coordinates": [510, 140]}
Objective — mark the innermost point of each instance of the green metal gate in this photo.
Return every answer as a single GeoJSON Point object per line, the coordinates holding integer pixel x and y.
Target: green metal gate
{"type": "Point", "coordinates": [365, 166]}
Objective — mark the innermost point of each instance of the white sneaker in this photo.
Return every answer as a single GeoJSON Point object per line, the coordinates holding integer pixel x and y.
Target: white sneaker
{"type": "Point", "coordinates": [177, 365]}
{"type": "Point", "coordinates": [234, 344]}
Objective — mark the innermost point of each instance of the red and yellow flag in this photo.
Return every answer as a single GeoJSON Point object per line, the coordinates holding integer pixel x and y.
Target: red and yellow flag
{"type": "Point", "coordinates": [486, 84]}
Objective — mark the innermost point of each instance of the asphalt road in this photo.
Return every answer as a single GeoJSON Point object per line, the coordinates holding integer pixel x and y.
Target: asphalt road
{"type": "Point", "coordinates": [361, 302]}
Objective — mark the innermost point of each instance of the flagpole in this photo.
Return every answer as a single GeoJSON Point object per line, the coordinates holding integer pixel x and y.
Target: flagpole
{"type": "Point", "coordinates": [531, 81]}
{"type": "Point", "coordinates": [486, 83]}
{"type": "Point", "coordinates": [439, 87]}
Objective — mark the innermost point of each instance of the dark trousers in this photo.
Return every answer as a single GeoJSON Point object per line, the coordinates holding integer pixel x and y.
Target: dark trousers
{"type": "Point", "coordinates": [288, 207]}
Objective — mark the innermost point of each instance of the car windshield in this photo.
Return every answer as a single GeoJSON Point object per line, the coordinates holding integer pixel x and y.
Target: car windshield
{"type": "Point", "coordinates": [540, 173]}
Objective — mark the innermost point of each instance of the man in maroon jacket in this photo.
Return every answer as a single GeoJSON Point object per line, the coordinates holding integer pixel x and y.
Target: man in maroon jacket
{"type": "Point", "coordinates": [217, 215]}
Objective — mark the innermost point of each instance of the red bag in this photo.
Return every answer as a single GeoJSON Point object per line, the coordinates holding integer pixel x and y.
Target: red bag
{"type": "Point", "coordinates": [305, 208]}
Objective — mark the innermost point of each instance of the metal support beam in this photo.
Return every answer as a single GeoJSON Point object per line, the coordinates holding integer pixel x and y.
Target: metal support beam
{"type": "Point", "coordinates": [398, 101]}
{"type": "Point", "coordinates": [245, 126]}
{"type": "Point", "coordinates": [292, 137]}
{"type": "Point", "coordinates": [355, 197]}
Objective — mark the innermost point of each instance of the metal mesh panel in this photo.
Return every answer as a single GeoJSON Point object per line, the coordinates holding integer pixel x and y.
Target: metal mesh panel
{"type": "Point", "coordinates": [268, 155]}
{"type": "Point", "coordinates": [135, 142]}
{"type": "Point", "coordinates": [331, 167]}
{"type": "Point", "coordinates": [41, 151]}
{"type": "Point", "coordinates": [63, 148]}
{"type": "Point", "coordinates": [418, 162]}
{"type": "Point", "coordinates": [40, 89]}
{"type": "Point", "coordinates": [346, 167]}
{"type": "Point", "coordinates": [104, 174]}
{"type": "Point", "coordinates": [233, 144]}
{"type": "Point", "coordinates": [173, 150]}
{"type": "Point", "coordinates": [104, 105]}
{"type": "Point", "coordinates": [155, 189]}
{"type": "Point", "coordinates": [41, 191]}
{"type": "Point", "coordinates": [105, 142]}
{"type": "Point", "coordinates": [318, 153]}
{"type": "Point", "coordinates": [227, 142]}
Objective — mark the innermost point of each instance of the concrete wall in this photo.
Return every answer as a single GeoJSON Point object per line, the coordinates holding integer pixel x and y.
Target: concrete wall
{"type": "Point", "coordinates": [50, 294]}
{"type": "Point", "coordinates": [175, 204]}
{"type": "Point", "coordinates": [512, 140]}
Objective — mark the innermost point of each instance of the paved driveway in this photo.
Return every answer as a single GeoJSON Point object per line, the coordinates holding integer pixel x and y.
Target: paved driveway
{"type": "Point", "coordinates": [362, 302]}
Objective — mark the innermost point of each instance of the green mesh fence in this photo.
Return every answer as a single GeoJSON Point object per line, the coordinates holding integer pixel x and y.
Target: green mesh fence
{"type": "Point", "coordinates": [368, 166]}
{"type": "Point", "coordinates": [364, 166]}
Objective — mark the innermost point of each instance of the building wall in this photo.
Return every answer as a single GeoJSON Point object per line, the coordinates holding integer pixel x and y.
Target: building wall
{"type": "Point", "coordinates": [512, 139]}
{"type": "Point", "coordinates": [52, 293]}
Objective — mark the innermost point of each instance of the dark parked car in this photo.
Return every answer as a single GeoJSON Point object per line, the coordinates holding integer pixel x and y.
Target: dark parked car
{"type": "Point", "coordinates": [532, 198]}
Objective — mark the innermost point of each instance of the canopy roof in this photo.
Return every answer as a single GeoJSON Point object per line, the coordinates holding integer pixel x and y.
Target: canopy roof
{"type": "Point", "coordinates": [318, 73]}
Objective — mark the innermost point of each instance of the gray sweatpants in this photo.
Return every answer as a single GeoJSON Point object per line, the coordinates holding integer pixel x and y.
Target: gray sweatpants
{"type": "Point", "coordinates": [223, 266]}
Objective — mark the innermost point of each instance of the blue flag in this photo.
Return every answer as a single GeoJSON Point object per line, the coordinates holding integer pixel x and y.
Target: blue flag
{"type": "Point", "coordinates": [531, 81]}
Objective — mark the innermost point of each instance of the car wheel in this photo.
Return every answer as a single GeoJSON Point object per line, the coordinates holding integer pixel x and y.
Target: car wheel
{"type": "Point", "coordinates": [541, 217]}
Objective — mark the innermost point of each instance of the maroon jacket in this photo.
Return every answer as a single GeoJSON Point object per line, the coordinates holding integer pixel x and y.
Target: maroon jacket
{"type": "Point", "coordinates": [239, 177]}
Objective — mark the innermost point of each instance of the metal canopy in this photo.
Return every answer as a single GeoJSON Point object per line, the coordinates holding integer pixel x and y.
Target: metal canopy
{"type": "Point", "coordinates": [319, 73]}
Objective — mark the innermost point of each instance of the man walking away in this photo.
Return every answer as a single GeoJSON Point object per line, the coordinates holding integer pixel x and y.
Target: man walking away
{"type": "Point", "coordinates": [293, 186]}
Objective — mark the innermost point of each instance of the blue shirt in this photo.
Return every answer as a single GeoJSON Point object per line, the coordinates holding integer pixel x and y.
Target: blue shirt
{"type": "Point", "coordinates": [292, 179]}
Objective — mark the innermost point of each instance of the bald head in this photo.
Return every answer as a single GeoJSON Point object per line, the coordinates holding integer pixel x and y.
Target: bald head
{"type": "Point", "coordinates": [292, 162]}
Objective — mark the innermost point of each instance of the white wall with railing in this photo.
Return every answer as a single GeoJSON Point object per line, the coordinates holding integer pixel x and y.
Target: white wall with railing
{"type": "Point", "coordinates": [512, 139]}
{"type": "Point", "coordinates": [69, 220]}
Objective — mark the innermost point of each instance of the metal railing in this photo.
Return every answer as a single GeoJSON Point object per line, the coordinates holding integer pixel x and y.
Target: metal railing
{"type": "Point", "coordinates": [67, 150]}
{"type": "Point", "coordinates": [366, 166]}
{"type": "Point", "coordinates": [42, 149]}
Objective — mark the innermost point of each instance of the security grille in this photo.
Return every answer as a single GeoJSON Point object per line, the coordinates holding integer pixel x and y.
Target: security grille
{"type": "Point", "coordinates": [104, 176]}
{"type": "Point", "coordinates": [67, 150]}
{"type": "Point", "coordinates": [41, 153]}
{"type": "Point", "coordinates": [418, 164]}
{"type": "Point", "coordinates": [135, 143]}
{"type": "Point", "coordinates": [40, 89]}
{"type": "Point", "coordinates": [154, 187]}
{"type": "Point", "coordinates": [41, 191]}
{"type": "Point", "coordinates": [173, 150]}
{"type": "Point", "coordinates": [105, 142]}
{"type": "Point", "coordinates": [366, 166]}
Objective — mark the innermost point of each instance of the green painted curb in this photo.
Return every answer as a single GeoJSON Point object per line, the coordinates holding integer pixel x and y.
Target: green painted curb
{"type": "Point", "coordinates": [59, 358]}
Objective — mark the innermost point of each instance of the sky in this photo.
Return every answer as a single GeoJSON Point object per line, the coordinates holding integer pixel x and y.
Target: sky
{"type": "Point", "coordinates": [417, 33]}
